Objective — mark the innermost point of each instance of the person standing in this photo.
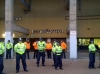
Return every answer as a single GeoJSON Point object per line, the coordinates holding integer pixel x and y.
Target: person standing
{"type": "Point", "coordinates": [2, 50]}
{"type": "Point", "coordinates": [35, 49]}
{"type": "Point", "coordinates": [58, 56]}
{"type": "Point", "coordinates": [9, 47]}
{"type": "Point", "coordinates": [92, 50]}
{"type": "Point", "coordinates": [41, 52]}
{"type": "Point", "coordinates": [27, 43]}
{"type": "Point", "coordinates": [20, 54]}
{"type": "Point", "coordinates": [48, 49]}
{"type": "Point", "coordinates": [64, 47]}
{"type": "Point", "coordinates": [53, 48]}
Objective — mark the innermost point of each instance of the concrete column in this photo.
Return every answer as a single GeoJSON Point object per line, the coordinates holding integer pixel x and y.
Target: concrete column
{"type": "Point", "coordinates": [73, 30]}
{"type": "Point", "coordinates": [9, 4]}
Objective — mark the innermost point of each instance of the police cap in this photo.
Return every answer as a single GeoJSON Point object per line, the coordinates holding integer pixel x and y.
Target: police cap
{"type": "Point", "coordinates": [54, 39]}
{"type": "Point", "coordinates": [27, 39]}
{"type": "Point", "coordinates": [20, 39]}
{"type": "Point", "coordinates": [8, 40]}
{"type": "Point", "coordinates": [40, 39]}
{"type": "Point", "coordinates": [91, 41]}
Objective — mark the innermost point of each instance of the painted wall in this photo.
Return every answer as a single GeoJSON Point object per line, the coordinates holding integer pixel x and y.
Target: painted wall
{"type": "Point", "coordinates": [89, 7]}
{"type": "Point", "coordinates": [50, 14]}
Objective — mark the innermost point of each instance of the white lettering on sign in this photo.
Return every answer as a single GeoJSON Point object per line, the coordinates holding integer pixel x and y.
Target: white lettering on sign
{"type": "Point", "coordinates": [47, 31]}
{"type": "Point", "coordinates": [72, 32]}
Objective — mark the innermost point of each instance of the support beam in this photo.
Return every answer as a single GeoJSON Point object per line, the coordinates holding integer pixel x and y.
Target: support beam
{"type": "Point", "coordinates": [73, 30]}
{"type": "Point", "coordinates": [9, 4]}
{"type": "Point", "coordinates": [25, 4]}
{"type": "Point", "coordinates": [79, 4]}
{"type": "Point", "coordinates": [20, 29]}
{"type": "Point", "coordinates": [67, 4]}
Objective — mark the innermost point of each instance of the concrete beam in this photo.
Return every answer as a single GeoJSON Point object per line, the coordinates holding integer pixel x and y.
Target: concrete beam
{"type": "Point", "coordinates": [25, 4]}
{"type": "Point", "coordinates": [79, 4]}
{"type": "Point", "coordinates": [20, 29]}
{"type": "Point", "coordinates": [67, 4]}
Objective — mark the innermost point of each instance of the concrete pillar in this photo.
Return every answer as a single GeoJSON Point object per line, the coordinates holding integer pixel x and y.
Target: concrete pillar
{"type": "Point", "coordinates": [9, 4]}
{"type": "Point", "coordinates": [73, 30]}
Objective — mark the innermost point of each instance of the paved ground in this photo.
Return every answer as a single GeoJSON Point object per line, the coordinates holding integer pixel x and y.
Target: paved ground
{"type": "Point", "coordinates": [79, 66]}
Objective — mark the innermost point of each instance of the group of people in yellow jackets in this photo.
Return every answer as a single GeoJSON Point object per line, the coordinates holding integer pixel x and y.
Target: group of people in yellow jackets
{"type": "Point", "coordinates": [57, 49]}
{"type": "Point", "coordinates": [49, 47]}
{"type": "Point", "coordinates": [22, 48]}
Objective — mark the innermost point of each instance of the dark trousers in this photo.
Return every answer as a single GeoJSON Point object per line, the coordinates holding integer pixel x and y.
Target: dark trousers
{"type": "Point", "coordinates": [49, 53]}
{"type": "Point", "coordinates": [1, 63]}
{"type": "Point", "coordinates": [8, 53]}
{"type": "Point", "coordinates": [63, 53]}
{"type": "Point", "coordinates": [54, 58]}
{"type": "Point", "coordinates": [35, 54]}
{"type": "Point", "coordinates": [41, 54]}
{"type": "Point", "coordinates": [58, 61]}
{"type": "Point", "coordinates": [23, 59]}
{"type": "Point", "coordinates": [27, 53]}
{"type": "Point", "coordinates": [91, 59]}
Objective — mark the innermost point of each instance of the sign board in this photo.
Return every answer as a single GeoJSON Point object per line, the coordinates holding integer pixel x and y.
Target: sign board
{"type": "Point", "coordinates": [72, 32]}
{"type": "Point", "coordinates": [45, 31]}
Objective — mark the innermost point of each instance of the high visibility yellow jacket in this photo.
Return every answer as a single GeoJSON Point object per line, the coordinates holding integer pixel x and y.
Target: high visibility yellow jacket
{"type": "Point", "coordinates": [92, 47]}
{"type": "Point", "coordinates": [9, 45]}
{"type": "Point", "coordinates": [41, 45]}
{"type": "Point", "coordinates": [20, 48]}
{"type": "Point", "coordinates": [2, 49]}
{"type": "Point", "coordinates": [57, 50]}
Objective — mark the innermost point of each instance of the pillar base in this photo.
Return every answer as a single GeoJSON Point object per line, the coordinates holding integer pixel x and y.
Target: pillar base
{"type": "Point", "coordinates": [73, 47]}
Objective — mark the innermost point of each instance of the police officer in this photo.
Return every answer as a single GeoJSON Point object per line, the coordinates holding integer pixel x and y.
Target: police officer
{"type": "Point", "coordinates": [20, 54]}
{"type": "Point", "coordinates": [92, 50]}
{"type": "Point", "coordinates": [58, 56]}
{"type": "Point", "coordinates": [53, 48]}
{"type": "Point", "coordinates": [9, 47]}
{"type": "Point", "coordinates": [41, 51]}
{"type": "Point", "coordinates": [1, 58]}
